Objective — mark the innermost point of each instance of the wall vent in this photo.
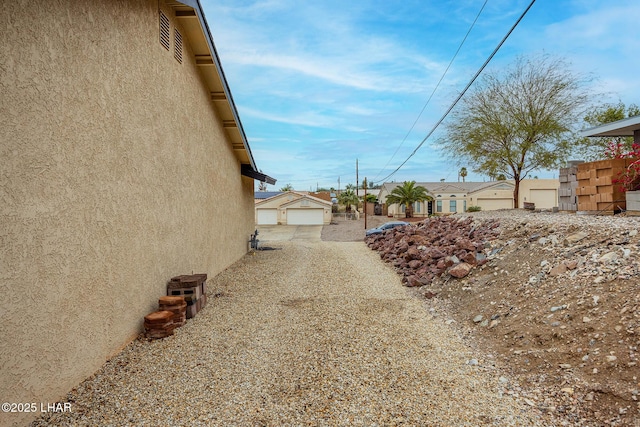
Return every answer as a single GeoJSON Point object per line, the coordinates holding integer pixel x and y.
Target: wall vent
{"type": "Point", "coordinates": [165, 32]}
{"type": "Point", "coordinates": [177, 46]}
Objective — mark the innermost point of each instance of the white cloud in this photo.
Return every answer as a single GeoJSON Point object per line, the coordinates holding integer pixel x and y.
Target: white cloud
{"type": "Point", "coordinates": [321, 83]}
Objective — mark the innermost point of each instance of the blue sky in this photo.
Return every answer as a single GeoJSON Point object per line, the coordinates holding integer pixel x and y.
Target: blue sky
{"type": "Point", "coordinates": [320, 84]}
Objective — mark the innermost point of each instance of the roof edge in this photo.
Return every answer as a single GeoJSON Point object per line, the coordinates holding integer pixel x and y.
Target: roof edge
{"type": "Point", "coordinates": [195, 4]}
{"type": "Point", "coordinates": [624, 127]}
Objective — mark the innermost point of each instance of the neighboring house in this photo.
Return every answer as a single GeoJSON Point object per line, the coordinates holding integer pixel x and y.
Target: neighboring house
{"type": "Point", "coordinates": [261, 195]}
{"type": "Point", "coordinates": [324, 195]}
{"type": "Point", "coordinates": [124, 163]}
{"type": "Point", "coordinates": [452, 197]}
{"type": "Point", "coordinates": [293, 208]}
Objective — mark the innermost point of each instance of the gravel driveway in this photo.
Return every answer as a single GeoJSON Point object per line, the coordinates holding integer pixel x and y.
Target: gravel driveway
{"type": "Point", "coordinates": [313, 333]}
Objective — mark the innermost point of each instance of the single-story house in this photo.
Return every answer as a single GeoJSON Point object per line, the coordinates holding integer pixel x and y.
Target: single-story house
{"type": "Point", "coordinates": [261, 195]}
{"type": "Point", "coordinates": [452, 197]}
{"type": "Point", "coordinates": [119, 139]}
{"type": "Point", "coordinates": [293, 208]}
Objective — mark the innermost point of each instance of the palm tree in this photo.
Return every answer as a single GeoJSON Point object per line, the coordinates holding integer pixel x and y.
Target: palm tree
{"type": "Point", "coordinates": [287, 187]}
{"type": "Point", "coordinates": [407, 194]}
{"type": "Point", "coordinates": [463, 173]}
{"type": "Point", "coordinates": [348, 197]}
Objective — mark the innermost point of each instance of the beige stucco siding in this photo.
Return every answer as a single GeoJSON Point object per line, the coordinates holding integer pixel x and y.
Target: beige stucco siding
{"type": "Point", "coordinates": [116, 175]}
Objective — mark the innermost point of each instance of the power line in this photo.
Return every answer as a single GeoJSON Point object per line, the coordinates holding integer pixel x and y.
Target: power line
{"type": "Point", "coordinates": [504, 39]}
{"type": "Point", "coordinates": [435, 88]}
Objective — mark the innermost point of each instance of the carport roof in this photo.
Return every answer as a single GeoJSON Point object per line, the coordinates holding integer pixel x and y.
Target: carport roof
{"type": "Point", "coordinates": [625, 127]}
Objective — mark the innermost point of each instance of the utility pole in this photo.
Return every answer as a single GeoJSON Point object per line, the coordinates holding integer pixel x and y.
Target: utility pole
{"type": "Point", "coordinates": [365, 203]}
{"type": "Point", "coordinates": [357, 177]}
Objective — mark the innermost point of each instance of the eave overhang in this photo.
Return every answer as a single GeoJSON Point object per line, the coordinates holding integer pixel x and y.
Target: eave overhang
{"type": "Point", "coordinates": [626, 127]}
{"type": "Point", "coordinates": [190, 15]}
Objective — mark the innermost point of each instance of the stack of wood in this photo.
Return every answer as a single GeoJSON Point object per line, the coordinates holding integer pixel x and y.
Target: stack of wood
{"type": "Point", "coordinates": [159, 324]}
{"type": "Point", "coordinates": [177, 305]}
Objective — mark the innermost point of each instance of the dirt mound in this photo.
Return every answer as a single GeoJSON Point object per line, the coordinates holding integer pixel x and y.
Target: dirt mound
{"type": "Point", "coordinates": [551, 298]}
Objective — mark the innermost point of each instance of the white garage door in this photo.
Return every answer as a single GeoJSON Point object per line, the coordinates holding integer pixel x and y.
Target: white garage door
{"type": "Point", "coordinates": [267, 216]}
{"type": "Point", "coordinates": [305, 216]}
{"type": "Point", "coordinates": [544, 199]}
{"type": "Point", "coordinates": [495, 204]}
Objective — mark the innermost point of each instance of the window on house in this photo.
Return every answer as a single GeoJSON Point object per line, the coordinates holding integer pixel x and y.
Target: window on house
{"type": "Point", "coordinates": [452, 206]}
{"type": "Point", "coordinates": [304, 202]}
{"type": "Point", "coordinates": [177, 45]}
{"type": "Point", "coordinates": [416, 207]}
{"type": "Point", "coordinates": [438, 205]}
{"type": "Point", "coordinates": [403, 208]}
{"type": "Point", "coordinates": [464, 205]}
{"type": "Point", "coordinates": [164, 31]}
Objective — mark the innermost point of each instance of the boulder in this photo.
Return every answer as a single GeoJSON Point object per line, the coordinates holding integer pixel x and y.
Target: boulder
{"type": "Point", "coordinates": [460, 270]}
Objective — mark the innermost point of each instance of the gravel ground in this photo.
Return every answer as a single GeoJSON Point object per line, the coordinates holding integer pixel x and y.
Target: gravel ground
{"type": "Point", "coordinates": [313, 333]}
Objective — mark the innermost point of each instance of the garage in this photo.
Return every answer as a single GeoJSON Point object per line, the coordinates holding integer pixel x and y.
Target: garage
{"type": "Point", "coordinates": [305, 216]}
{"type": "Point", "coordinates": [495, 204]}
{"type": "Point", "coordinates": [544, 198]}
{"type": "Point", "coordinates": [267, 216]}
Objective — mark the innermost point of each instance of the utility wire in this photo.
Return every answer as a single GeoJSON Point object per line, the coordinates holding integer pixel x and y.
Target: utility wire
{"type": "Point", "coordinates": [504, 39]}
{"type": "Point", "coordinates": [434, 89]}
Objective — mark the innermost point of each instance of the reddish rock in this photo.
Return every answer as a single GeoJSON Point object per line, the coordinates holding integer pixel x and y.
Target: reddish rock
{"type": "Point", "coordinates": [429, 295]}
{"type": "Point", "coordinates": [435, 253]}
{"type": "Point", "coordinates": [413, 281]}
{"type": "Point", "coordinates": [446, 242]}
{"type": "Point", "coordinates": [412, 253]}
{"type": "Point", "coordinates": [470, 258]}
{"type": "Point", "coordinates": [415, 264]}
{"type": "Point", "coordinates": [460, 270]}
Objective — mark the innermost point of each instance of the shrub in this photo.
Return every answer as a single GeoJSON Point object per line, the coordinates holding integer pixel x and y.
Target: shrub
{"type": "Point", "coordinates": [474, 209]}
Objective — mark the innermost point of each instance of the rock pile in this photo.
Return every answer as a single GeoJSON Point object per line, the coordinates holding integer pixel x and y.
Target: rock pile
{"type": "Point", "coordinates": [436, 246]}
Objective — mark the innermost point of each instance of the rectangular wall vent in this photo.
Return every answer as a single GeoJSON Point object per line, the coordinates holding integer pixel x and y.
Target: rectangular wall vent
{"type": "Point", "coordinates": [178, 46]}
{"type": "Point", "coordinates": [165, 32]}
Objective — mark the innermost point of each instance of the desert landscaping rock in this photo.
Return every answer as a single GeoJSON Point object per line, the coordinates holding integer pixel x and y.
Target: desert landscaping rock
{"type": "Point", "coordinates": [312, 345]}
{"type": "Point", "coordinates": [560, 283]}
{"type": "Point", "coordinates": [316, 333]}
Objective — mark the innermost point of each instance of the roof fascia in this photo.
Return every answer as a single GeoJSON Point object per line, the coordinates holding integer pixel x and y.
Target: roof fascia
{"type": "Point", "coordinates": [253, 171]}
{"type": "Point", "coordinates": [624, 127]}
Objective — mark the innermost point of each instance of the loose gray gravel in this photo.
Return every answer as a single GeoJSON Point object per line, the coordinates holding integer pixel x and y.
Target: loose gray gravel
{"type": "Point", "coordinates": [313, 333]}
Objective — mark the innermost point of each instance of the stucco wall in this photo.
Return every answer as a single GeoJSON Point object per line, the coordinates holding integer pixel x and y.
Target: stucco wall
{"type": "Point", "coordinates": [116, 175]}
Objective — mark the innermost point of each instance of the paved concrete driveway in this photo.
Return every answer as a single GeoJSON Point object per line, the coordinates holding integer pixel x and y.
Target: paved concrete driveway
{"type": "Point", "coordinates": [280, 233]}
